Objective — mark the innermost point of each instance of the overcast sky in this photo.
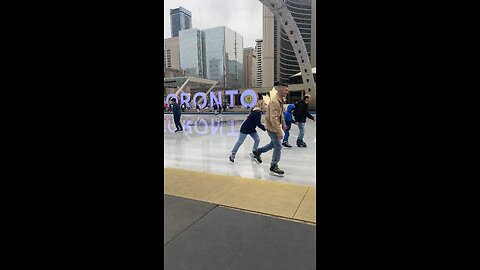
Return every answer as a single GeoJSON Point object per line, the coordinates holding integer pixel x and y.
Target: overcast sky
{"type": "Point", "coordinates": [242, 16]}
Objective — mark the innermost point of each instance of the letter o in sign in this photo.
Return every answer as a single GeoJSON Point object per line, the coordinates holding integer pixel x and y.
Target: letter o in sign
{"type": "Point", "coordinates": [249, 98]}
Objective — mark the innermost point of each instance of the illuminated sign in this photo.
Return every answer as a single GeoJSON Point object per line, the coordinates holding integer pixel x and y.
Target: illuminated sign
{"type": "Point", "coordinates": [248, 98]}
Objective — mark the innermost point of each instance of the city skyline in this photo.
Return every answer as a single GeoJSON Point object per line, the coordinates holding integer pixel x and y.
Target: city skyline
{"type": "Point", "coordinates": [239, 16]}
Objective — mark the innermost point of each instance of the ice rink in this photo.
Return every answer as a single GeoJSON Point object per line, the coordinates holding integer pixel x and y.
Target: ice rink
{"type": "Point", "coordinates": [207, 141]}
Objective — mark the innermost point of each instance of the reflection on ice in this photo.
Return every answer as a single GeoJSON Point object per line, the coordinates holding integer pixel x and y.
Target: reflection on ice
{"type": "Point", "coordinates": [207, 140]}
{"type": "Point", "coordinates": [201, 127]}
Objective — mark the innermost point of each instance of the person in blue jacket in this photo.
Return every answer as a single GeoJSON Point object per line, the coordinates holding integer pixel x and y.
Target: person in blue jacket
{"type": "Point", "coordinates": [249, 128]}
{"type": "Point", "coordinates": [288, 122]}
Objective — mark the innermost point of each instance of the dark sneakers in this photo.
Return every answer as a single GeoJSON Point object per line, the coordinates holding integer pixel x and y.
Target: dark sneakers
{"type": "Point", "coordinates": [275, 171]}
{"type": "Point", "coordinates": [286, 144]}
{"type": "Point", "coordinates": [301, 144]}
{"type": "Point", "coordinates": [231, 158]}
{"type": "Point", "coordinates": [256, 157]}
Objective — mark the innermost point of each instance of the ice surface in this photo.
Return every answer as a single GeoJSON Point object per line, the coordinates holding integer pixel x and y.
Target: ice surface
{"type": "Point", "coordinates": [207, 141]}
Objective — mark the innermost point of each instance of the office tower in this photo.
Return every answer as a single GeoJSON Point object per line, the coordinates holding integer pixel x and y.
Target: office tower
{"type": "Point", "coordinates": [180, 19]}
{"type": "Point", "coordinates": [313, 48]}
{"type": "Point", "coordinates": [171, 53]}
{"type": "Point", "coordinates": [224, 57]}
{"type": "Point", "coordinates": [259, 73]}
{"type": "Point", "coordinates": [214, 54]}
{"type": "Point", "coordinates": [249, 59]}
{"type": "Point", "coordinates": [192, 52]}
{"type": "Point", "coordinates": [254, 70]}
{"type": "Point", "coordinates": [267, 48]}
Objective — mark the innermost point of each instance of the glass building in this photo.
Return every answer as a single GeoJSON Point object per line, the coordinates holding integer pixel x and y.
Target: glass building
{"type": "Point", "coordinates": [180, 19]}
{"type": "Point", "coordinates": [214, 54]}
{"type": "Point", "coordinates": [224, 57]}
{"type": "Point", "coordinates": [192, 52]}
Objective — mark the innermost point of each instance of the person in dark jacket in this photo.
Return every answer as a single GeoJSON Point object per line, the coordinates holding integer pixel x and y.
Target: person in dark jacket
{"type": "Point", "coordinates": [177, 112]}
{"type": "Point", "coordinates": [300, 115]}
{"type": "Point", "coordinates": [288, 123]}
{"type": "Point", "coordinates": [215, 108]}
{"type": "Point", "coordinates": [249, 128]}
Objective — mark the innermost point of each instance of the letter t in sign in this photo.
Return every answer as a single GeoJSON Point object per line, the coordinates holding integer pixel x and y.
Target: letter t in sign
{"type": "Point", "coordinates": [231, 93]}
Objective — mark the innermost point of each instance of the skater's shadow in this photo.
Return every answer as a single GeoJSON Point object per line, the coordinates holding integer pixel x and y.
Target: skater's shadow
{"type": "Point", "coordinates": [257, 170]}
{"type": "Point", "coordinates": [239, 169]}
{"type": "Point", "coordinates": [234, 170]}
{"type": "Point", "coordinates": [179, 146]}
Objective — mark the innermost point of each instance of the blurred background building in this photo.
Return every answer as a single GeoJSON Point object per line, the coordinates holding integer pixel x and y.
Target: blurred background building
{"type": "Point", "coordinates": [180, 19]}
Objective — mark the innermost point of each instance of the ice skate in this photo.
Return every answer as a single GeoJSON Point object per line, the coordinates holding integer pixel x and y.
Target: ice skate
{"type": "Point", "coordinates": [256, 157]}
{"type": "Point", "coordinates": [286, 144]}
{"type": "Point", "coordinates": [275, 171]}
{"type": "Point", "coordinates": [301, 144]}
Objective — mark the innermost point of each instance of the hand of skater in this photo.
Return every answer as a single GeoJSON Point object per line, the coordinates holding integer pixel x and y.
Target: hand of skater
{"type": "Point", "coordinates": [284, 127]}
{"type": "Point", "coordinates": [280, 136]}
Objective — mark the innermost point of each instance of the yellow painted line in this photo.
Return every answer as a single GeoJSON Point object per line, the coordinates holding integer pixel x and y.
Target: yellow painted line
{"type": "Point", "coordinates": [307, 208]}
{"type": "Point", "coordinates": [263, 196]}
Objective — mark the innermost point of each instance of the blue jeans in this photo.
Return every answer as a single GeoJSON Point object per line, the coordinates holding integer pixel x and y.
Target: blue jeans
{"type": "Point", "coordinates": [287, 132]}
{"type": "Point", "coordinates": [301, 127]}
{"type": "Point", "coordinates": [242, 137]}
{"type": "Point", "coordinates": [276, 144]}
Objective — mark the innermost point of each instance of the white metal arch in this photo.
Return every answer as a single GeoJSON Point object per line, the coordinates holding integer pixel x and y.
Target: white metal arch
{"type": "Point", "coordinates": [279, 9]}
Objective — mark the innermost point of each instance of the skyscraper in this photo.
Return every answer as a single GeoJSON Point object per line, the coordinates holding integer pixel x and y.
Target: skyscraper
{"type": "Point", "coordinates": [214, 54]}
{"type": "Point", "coordinates": [259, 72]}
{"type": "Point", "coordinates": [267, 48]}
{"type": "Point", "coordinates": [192, 52]}
{"type": "Point", "coordinates": [224, 57]}
{"type": "Point", "coordinates": [180, 19]}
{"type": "Point", "coordinates": [171, 53]}
{"type": "Point", "coordinates": [249, 63]}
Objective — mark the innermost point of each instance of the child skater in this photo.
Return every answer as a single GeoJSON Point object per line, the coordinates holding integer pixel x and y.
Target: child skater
{"type": "Point", "coordinates": [288, 121]}
{"type": "Point", "coordinates": [249, 128]}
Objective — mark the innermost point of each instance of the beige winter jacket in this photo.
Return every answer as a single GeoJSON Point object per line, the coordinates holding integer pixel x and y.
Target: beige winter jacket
{"type": "Point", "coordinates": [274, 116]}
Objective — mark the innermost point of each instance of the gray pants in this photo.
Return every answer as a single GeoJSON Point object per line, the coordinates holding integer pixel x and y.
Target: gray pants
{"type": "Point", "coordinates": [301, 127]}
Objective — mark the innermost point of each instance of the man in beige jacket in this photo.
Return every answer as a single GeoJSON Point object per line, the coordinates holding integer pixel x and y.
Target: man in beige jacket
{"type": "Point", "coordinates": [275, 124]}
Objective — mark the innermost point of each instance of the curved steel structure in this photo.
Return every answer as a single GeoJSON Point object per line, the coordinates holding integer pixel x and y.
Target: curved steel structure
{"type": "Point", "coordinates": [279, 9]}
